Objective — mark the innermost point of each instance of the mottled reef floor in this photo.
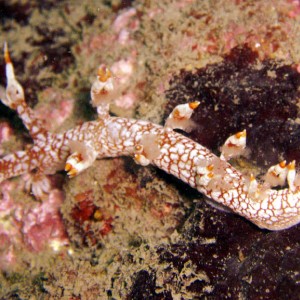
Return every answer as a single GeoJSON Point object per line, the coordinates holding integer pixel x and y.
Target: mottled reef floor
{"type": "Point", "coordinates": [122, 231]}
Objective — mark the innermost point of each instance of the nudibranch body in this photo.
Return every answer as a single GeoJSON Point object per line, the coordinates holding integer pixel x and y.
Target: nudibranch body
{"type": "Point", "coordinates": [148, 143]}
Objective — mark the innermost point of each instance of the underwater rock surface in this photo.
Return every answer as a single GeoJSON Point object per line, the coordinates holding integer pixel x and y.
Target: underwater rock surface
{"type": "Point", "coordinates": [135, 232]}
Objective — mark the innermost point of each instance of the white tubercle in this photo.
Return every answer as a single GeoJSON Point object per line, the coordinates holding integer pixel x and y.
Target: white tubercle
{"type": "Point", "coordinates": [179, 118]}
{"type": "Point", "coordinates": [102, 88]}
{"type": "Point", "coordinates": [83, 156]}
{"type": "Point", "coordinates": [276, 175]}
{"type": "Point", "coordinates": [291, 175]}
{"type": "Point", "coordinates": [234, 146]}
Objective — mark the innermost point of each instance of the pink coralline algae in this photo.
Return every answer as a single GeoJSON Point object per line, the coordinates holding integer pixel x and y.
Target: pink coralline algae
{"type": "Point", "coordinates": [123, 71]}
{"type": "Point", "coordinates": [42, 224]}
{"type": "Point", "coordinates": [125, 24]}
{"type": "Point", "coordinates": [9, 236]}
{"type": "Point", "coordinates": [36, 226]}
{"type": "Point", "coordinates": [33, 227]}
{"type": "Point", "coordinates": [295, 10]}
{"type": "Point", "coordinates": [267, 38]}
{"type": "Point", "coordinates": [56, 110]}
{"type": "Point", "coordinates": [126, 101]}
{"type": "Point", "coordinates": [5, 134]}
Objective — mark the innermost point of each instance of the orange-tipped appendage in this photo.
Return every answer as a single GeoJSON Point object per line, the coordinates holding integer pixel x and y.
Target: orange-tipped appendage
{"type": "Point", "coordinates": [70, 170]}
{"type": "Point", "coordinates": [138, 148]}
{"type": "Point", "coordinates": [292, 165]}
{"type": "Point", "coordinates": [68, 167]}
{"type": "Point", "coordinates": [210, 167]}
{"type": "Point", "coordinates": [282, 164]}
{"type": "Point", "coordinates": [6, 54]}
{"type": "Point", "coordinates": [241, 134]}
{"type": "Point", "coordinates": [194, 105]}
{"type": "Point", "coordinates": [103, 73]}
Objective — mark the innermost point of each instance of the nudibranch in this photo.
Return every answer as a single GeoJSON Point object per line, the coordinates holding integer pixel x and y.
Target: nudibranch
{"type": "Point", "coordinates": [76, 149]}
